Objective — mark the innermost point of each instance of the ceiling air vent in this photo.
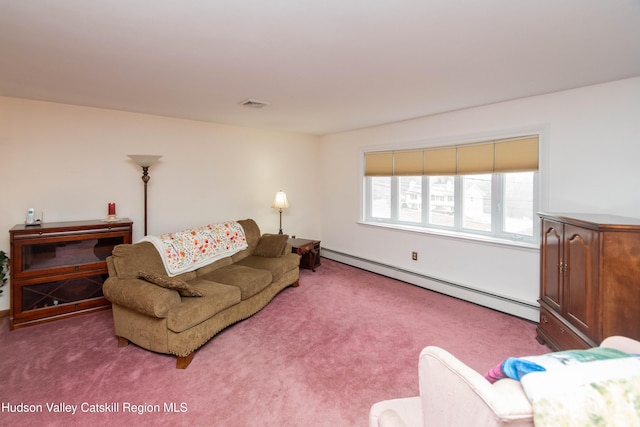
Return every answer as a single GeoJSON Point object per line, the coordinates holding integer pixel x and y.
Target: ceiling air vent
{"type": "Point", "coordinates": [254, 103]}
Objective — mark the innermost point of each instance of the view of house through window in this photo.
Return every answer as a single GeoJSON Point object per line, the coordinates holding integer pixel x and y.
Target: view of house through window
{"type": "Point", "coordinates": [410, 199]}
{"type": "Point", "coordinates": [441, 196]}
{"type": "Point", "coordinates": [496, 204]}
{"type": "Point", "coordinates": [519, 207]}
{"type": "Point", "coordinates": [380, 197]}
{"type": "Point", "coordinates": [476, 202]}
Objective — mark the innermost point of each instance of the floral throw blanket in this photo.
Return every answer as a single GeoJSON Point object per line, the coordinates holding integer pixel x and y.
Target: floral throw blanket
{"type": "Point", "coordinates": [599, 393]}
{"type": "Point", "coordinates": [191, 249]}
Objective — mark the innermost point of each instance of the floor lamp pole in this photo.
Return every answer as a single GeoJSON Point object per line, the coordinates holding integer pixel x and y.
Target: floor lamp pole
{"type": "Point", "coordinates": [144, 160]}
{"type": "Point", "coordinates": [145, 179]}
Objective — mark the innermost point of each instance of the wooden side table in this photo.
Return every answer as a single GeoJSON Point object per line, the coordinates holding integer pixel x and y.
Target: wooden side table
{"type": "Point", "coordinates": [309, 250]}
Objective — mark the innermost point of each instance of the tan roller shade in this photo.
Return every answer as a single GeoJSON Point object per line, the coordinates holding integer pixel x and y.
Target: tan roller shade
{"type": "Point", "coordinates": [407, 163]}
{"type": "Point", "coordinates": [507, 155]}
{"type": "Point", "coordinates": [475, 158]}
{"type": "Point", "coordinates": [378, 164]}
{"type": "Point", "coordinates": [517, 155]}
{"type": "Point", "coordinates": [440, 161]}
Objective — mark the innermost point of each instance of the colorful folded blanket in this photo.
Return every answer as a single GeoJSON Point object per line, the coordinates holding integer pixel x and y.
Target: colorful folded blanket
{"type": "Point", "coordinates": [188, 250]}
{"type": "Point", "coordinates": [517, 367]}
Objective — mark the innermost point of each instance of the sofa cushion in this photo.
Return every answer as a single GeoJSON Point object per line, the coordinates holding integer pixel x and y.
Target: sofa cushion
{"type": "Point", "coordinates": [277, 266]}
{"type": "Point", "coordinates": [214, 266]}
{"type": "Point", "coordinates": [216, 297]}
{"type": "Point", "coordinates": [252, 234]}
{"type": "Point", "coordinates": [249, 280]}
{"type": "Point", "coordinates": [174, 283]}
{"type": "Point", "coordinates": [271, 245]}
{"type": "Point", "coordinates": [129, 259]}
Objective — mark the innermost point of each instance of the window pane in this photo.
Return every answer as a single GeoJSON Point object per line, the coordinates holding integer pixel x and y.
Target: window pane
{"type": "Point", "coordinates": [410, 198]}
{"type": "Point", "coordinates": [381, 197]}
{"type": "Point", "coordinates": [441, 200]}
{"type": "Point", "coordinates": [498, 205]}
{"type": "Point", "coordinates": [476, 202]}
{"type": "Point", "coordinates": [518, 203]}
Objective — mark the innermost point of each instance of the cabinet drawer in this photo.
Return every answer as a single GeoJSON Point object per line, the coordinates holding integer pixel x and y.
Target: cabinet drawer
{"type": "Point", "coordinates": [558, 335]}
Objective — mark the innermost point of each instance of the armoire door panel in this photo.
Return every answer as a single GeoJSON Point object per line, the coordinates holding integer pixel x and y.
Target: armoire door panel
{"type": "Point", "coordinates": [551, 264]}
{"type": "Point", "coordinates": [579, 276]}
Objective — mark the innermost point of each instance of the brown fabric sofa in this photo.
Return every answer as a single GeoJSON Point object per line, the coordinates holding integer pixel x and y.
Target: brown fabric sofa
{"type": "Point", "coordinates": [233, 288]}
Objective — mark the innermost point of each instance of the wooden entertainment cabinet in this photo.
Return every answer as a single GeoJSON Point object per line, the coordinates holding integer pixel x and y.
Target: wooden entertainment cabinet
{"type": "Point", "coordinates": [589, 279]}
{"type": "Point", "coordinates": [57, 269]}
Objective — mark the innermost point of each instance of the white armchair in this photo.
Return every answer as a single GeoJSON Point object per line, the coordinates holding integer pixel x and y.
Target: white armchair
{"type": "Point", "coordinates": [452, 394]}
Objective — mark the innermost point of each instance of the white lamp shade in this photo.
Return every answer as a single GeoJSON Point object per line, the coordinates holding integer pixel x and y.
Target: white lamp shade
{"type": "Point", "coordinates": [280, 200]}
{"type": "Point", "coordinates": [144, 160]}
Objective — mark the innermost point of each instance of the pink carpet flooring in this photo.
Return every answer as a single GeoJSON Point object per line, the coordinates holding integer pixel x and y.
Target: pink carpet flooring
{"type": "Point", "coordinates": [317, 355]}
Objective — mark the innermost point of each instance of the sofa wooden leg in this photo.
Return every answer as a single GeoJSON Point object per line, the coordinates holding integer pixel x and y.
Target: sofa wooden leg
{"type": "Point", "coordinates": [183, 361]}
{"type": "Point", "coordinates": [296, 284]}
{"type": "Point", "coordinates": [122, 342]}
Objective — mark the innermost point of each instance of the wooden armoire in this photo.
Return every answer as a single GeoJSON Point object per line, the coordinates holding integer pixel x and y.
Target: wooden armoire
{"type": "Point", "coordinates": [589, 279]}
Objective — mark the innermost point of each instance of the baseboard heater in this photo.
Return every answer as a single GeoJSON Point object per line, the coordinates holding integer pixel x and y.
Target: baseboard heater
{"type": "Point", "coordinates": [477, 296]}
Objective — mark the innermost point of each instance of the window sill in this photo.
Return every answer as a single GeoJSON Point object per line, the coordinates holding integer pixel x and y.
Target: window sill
{"type": "Point", "coordinates": [454, 235]}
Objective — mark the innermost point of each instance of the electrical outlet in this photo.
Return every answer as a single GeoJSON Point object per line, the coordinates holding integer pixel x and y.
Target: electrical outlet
{"type": "Point", "coordinates": [414, 256]}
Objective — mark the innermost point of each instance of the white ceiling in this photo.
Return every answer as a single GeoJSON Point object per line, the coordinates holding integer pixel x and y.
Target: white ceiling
{"type": "Point", "coordinates": [323, 65]}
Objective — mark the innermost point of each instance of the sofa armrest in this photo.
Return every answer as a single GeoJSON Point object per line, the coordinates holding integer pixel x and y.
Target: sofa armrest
{"type": "Point", "coordinates": [625, 344]}
{"type": "Point", "coordinates": [401, 412]}
{"type": "Point", "coordinates": [390, 418]}
{"type": "Point", "coordinates": [454, 394]}
{"type": "Point", "coordinates": [288, 248]}
{"type": "Point", "coordinates": [141, 296]}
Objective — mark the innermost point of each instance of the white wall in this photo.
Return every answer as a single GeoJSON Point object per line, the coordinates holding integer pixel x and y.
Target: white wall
{"type": "Point", "coordinates": [590, 151]}
{"type": "Point", "coordinates": [71, 161]}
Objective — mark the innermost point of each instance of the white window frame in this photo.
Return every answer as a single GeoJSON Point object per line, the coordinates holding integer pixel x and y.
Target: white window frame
{"type": "Point", "coordinates": [497, 232]}
{"type": "Point", "coordinates": [503, 238]}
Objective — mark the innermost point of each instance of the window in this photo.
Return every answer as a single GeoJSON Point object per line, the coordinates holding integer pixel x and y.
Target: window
{"type": "Point", "coordinates": [380, 206]}
{"type": "Point", "coordinates": [410, 192]}
{"type": "Point", "coordinates": [441, 196]}
{"type": "Point", "coordinates": [485, 195]}
{"type": "Point", "coordinates": [476, 202]}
